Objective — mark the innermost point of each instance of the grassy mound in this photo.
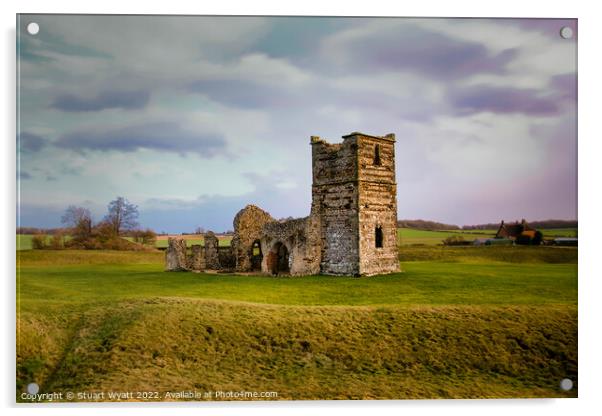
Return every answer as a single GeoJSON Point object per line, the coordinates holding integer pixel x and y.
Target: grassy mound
{"type": "Point", "coordinates": [461, 326]}
{"type": "Point", "coordinates": [172, 344]}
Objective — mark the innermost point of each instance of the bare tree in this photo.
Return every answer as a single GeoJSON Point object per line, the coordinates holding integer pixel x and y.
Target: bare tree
{"type": "Point", "coordinates": [79, 220]}
{"type": "Point", "coordinates": [122, 215]}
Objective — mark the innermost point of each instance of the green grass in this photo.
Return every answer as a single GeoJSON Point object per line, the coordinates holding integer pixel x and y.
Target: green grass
{"type": "Point", "coordinates": [489, 254]}
{"type": "Point", "coordinates": [173, 344]}
{"type": "Point", "coordinates": [421, 283]}
{"type": "Point", "coordinates": [559, 232]}
{"type": "Point", "coordinates": [24, 241]}
{"type": "Point", "coordinates": [453, 324]}
{"type": "Point", "coordinates": [410, 236]}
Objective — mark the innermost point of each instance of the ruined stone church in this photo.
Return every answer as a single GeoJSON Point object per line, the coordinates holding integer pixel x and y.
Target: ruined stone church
{"type": "Point", "coordinates": [351, 229]}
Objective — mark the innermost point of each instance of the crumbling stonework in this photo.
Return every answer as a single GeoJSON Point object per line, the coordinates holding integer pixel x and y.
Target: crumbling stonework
{"type": "Point", "coordinates": [248, 230]}
{"type": "Point", "coordinates": [196, 261]}
{"type": "Point", "coordinates": [351, 230]}
{"type": "Point", "coordinates": [226, 259]}
{"type": "Point", "coordinates": [175, 255]}
{"type": "Point", "coordinates": [292, 247]}
{"type": "Point", "coordinates": [211, 251]}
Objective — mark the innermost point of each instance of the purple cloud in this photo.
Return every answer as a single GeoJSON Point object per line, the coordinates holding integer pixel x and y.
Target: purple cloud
{"type": "Point", "coordinates": [245, 94]}
{"type": "Point", "coordinates": [414, 49]}
{"type": "Point", "coordinates": [502, 100]}
{"type": "Point", "coordinates": [127, 100]}
{"type": "Point", "coordinates": [566, 86]}
{"type": "Point", "coordinates": [166, 136]}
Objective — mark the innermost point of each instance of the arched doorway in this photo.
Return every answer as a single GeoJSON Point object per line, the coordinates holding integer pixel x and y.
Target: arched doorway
{"type": "Point", "coordinates": [278, 259]}
{"type": "Point", "coordinates": [256, 256]}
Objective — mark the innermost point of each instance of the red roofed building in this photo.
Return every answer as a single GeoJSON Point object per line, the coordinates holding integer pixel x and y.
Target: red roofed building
{"type": "Point", "coordinates": [514, 230]}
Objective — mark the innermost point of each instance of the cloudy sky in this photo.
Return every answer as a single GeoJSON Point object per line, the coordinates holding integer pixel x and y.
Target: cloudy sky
{"type": "Point", "coordinates": [192, 118]}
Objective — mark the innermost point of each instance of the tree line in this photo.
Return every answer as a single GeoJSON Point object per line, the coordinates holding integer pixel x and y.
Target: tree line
{"type": "Point", "coordinates": [121, 220]}
{"type": "Point", "coordinates": [436, 226]}
{"type": "Point", "coordinates": [550, 224]}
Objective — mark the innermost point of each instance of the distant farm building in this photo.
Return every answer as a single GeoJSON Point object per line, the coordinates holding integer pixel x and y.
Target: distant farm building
{"type": "Point", "coordinates": [514, 230]}
{"type": "Point", "coordinates": [519, 232]}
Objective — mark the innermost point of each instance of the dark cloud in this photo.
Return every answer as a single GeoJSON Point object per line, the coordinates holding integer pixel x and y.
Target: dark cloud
{"type": "Point", "coordinates": [502, 100]}
{"type": "Point", "coordinates": [245, 94]}
{"type": "Point", "coordinates": [30, 142]}
{"type": "Point", "coordinates": [414, 49]}
{"type": "Point", "coordinates": [25, 175]}
{"type": "Point", "coordinates": [166, 136]}
{"type": "Point", "coordinates": [127, 100]}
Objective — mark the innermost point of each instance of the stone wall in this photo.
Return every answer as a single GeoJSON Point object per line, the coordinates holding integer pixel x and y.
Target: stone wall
{"type": "Point", "coordinates": [226, 258]}
{"type": "Point", "coordinates": [211, 251]}
{"type": "Point", "coordinates": [377, 205]}
{"type": "Point", "coordinates": [248, 226]}
{"type": "Point", "coordinates": [301, 239]}
{"type": "Point", "coordinates": [175, 255]}
{"type": "Point", "coordinates": [377, 193]}
{"type": "Point", "coordinates": [335, 204]}
{"type": "Point", "coordinates": [196, 261]}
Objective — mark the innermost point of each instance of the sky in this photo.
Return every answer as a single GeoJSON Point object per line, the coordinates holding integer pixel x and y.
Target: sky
{"type": "Point", "coordinates": [193, 117]}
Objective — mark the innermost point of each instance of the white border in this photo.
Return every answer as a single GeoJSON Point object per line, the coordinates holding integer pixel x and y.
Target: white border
{"type": "Point", "coordinates": [590, 207]}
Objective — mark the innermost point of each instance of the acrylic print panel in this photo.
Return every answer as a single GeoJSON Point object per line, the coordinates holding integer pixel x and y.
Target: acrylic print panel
{"type": "Point", "coordinates": [295, 208]}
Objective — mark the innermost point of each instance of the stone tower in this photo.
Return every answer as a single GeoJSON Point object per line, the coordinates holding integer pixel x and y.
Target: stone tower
{"type": "Point", "coordinates": [354, 195]}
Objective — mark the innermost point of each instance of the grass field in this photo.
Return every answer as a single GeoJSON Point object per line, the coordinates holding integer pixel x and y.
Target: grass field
{"type": "Point", "coordinates": [486, 322]}
{"type": "Point", "coordinates": [410, 236]}
{"type": "Point", "coordinates": [405, 236]}
{"type": "Point", "coordinates": [24, 241]}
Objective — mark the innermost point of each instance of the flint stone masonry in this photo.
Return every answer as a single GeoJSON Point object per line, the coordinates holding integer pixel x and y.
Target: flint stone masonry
{"type": "Point", "coordinates": [248, 225]}
{"type": "Point", "coordinates": [226, 258]}
{"type": "Point", "coordinates": [175, 255]}
{"type": "Point", "coordinates": [211, 251]}
{"type": "Point", "coordinates": [196, 261]}
{"type": "Point", "coordinates": [351, 229]}
{"type": "Point", "coordinates": [302, 241]}
{"type": "Point", "coordinates": [354, 193]}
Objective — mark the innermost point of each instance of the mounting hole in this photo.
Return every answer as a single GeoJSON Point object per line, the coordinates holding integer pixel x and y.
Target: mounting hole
{"type": "Point", "coordinates": [33, 28]}
{"type": "Point", "coordinates": [33, 388]}
{"type": "Point", "coordinates": [566, 32]}
{"type": "Point", "coordinates": [566, 384]}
